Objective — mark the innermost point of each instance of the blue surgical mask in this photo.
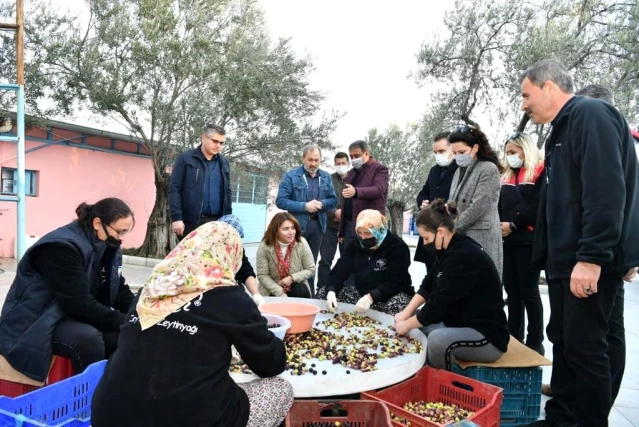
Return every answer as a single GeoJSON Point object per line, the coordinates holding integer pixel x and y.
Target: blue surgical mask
{"type": "Point", "coordinates": [463, 160]}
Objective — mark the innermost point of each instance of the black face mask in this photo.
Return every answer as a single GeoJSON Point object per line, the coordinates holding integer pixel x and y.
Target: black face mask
{"type": "Point", "coordinates": [432, 249]}
{"type": "Point", "coordinates": [111, 241]}
{"type": "Point", "coordinates": [368, 243]}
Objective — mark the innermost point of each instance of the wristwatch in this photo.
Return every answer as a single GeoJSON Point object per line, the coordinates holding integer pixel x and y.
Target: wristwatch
{"type": "Point", "coordinates": [512, 226]}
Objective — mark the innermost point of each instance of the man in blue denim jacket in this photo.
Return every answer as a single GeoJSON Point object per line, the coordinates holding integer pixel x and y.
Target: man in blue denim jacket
{"type": "Point", "coordinates": [308, 194]}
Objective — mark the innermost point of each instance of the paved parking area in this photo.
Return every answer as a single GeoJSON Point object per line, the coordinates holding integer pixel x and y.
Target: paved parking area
{"type": "Point", "coordinates": [626, 410]}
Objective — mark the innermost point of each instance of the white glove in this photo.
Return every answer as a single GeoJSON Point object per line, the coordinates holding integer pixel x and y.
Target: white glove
{"type": "Point", "coordinates": [331, 301]}
{"type": "Point", "coordinates": [258, 299]}
{"type": "Point", "coordinates": [235, 356]}
{"type": "Point", "coordinates": [363, 304]}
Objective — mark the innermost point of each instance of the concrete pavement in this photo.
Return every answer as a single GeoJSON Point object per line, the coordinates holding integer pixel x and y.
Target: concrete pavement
{"type": "Point", "coordinates": [626, 410]}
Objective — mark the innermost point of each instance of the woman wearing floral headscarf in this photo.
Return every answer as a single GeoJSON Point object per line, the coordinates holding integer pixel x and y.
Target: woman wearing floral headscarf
{"type": "Point", "coordinates": [379, 262]}
{"type": "Point", "coordinates": [171, 366]}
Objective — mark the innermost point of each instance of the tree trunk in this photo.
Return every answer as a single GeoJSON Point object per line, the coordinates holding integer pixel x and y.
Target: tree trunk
{"type": "Point", "coordinates": [525, 118]}
{"type": "Point", "coordinates": [159, 239]}
{"type": "Point", "coordinates": [397, 218]}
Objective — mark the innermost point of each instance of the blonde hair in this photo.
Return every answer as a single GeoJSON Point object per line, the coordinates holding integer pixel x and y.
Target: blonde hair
{"type": "Point", "coordinates": [532, 156]}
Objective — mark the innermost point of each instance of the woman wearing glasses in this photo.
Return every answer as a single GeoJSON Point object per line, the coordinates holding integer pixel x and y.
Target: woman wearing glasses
{"type": "Point", "coordinates": [475, 190]}
{"type": "Point", "coordinates": [69, 297]}
{"type": "Point", "coordinates": [520, 186]}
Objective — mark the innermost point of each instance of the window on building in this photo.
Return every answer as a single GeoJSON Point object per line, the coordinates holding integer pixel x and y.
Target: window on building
{"type": "Point", "coordinates": [249, 187]}
{"type": "Point", "coordinates": [10, 181]}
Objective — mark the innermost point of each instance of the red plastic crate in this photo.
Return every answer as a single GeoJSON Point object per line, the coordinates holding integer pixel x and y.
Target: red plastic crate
{"type": "Point", "coordinates": [60, 370]}
{"type": "Point", "coordinates": [349, 413]}
{"type": "Point", "coordinates": [434, 385]}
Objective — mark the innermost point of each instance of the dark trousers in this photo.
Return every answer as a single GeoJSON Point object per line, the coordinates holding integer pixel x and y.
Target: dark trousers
{"type": "Point", "coordinates": [313, 235]}
{"type": "Point", "coordinates": [617, 344]}
{"type": "Point", "coordinates": [327, 255]}
{"type": "Point", "coordinates": [349, 232]}
{"type": "Point", "coordinates": [424, 255]}
{"type": "Point", "coordinates": [299, 290]}
{"type": "Point", "coordinates": [188, 228]}
{"type": "Point", "coordinates": [583, 367]}
{"type": "Point", "coordinates": [82, 343]}
{"type": "Point", "coordinates": [522, 286]}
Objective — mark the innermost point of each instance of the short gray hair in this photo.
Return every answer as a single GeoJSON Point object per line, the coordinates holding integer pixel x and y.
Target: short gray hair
{"type": "Point", "coordinates": [212, 128]}
{"type": "Point", "coordinates": [549, 70]}
{"type": "Point", "coordinates": [311, 147]}
{"type": "Point", "coordinates": [596, 91]}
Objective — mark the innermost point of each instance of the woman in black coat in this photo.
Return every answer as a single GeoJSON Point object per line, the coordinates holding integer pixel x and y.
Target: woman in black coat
{"type": "Point", "coordinates": [462, 315]}
{"type": "Point", "coordinates": [171, 366]}
{"type": "Point", "coordinates": [69, 297]}
{"type": "Point", "coordinates": [520, 187]}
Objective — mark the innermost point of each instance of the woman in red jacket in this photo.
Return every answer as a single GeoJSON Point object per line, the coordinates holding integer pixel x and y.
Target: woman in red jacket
{"type": "Point", "coordinates": [518, 202]}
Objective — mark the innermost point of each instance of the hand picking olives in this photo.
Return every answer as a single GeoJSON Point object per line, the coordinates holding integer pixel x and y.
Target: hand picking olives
{"type": "Point", "coordinates": [357, 344]}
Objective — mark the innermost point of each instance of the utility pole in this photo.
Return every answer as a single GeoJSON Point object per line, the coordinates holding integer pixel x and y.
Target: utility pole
{"type": "Point", "coordinates": [19, 138]}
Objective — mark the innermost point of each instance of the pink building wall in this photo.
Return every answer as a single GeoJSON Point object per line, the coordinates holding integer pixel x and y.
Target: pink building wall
{"type": "Point", "coordinates": [67, 176]}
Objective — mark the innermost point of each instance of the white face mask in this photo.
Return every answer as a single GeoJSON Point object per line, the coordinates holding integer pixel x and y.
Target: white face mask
{"type": "Point", "coordinates": [443, 160]}
{"type": "Point", "coordinates": [342, 169]}
{"type": "Point", "coordinates": [515, 161]}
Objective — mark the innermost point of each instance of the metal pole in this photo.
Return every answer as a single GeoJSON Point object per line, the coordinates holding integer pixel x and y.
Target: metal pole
{"type": "Point", "coordinates": [253, 194]}
{"type": "Point", "coordinates": [22, 200]}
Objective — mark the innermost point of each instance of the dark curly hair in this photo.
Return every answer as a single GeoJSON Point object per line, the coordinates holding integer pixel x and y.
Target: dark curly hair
{"type": "Point", "coordinates": [472, 136]}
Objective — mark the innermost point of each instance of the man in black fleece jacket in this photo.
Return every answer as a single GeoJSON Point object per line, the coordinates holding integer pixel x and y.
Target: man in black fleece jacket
{"type": "Point", "coordinates": [587, 234]}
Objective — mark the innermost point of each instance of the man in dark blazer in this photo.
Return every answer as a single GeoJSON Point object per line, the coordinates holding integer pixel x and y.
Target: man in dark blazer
{"type": "Point", "coordinates": [365, 187]}
{"type": "Point", "coordinates": [200, 188]}
{"type": "Point", "coordinates": [437, 186]}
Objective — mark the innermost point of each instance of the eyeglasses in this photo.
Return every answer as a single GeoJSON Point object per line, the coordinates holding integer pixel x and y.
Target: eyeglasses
{"type": "Point", "coordinates": [120, 233]}
{"type": "Point", "coordinates": [214, 141]}
{"type": "Point", "coordinates": [515, 135]}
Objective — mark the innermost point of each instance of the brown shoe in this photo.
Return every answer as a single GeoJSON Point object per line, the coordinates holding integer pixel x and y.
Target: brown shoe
{"type": "Point", "coordinates": [546, 390]}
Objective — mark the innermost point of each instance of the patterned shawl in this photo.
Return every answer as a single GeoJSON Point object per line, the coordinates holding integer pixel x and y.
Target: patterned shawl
{"type": "Point", "coordinates": [208, 257]}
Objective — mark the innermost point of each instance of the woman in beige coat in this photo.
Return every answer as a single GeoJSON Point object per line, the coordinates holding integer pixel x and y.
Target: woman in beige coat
{"type": "Point", "coordinates": [284, 259]}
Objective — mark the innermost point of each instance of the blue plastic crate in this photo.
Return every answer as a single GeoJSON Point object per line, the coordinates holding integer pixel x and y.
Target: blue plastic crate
{"type": "Point", "coordinates": [522, 391]}
{"type": "Point", "coordinates": [66, 403]}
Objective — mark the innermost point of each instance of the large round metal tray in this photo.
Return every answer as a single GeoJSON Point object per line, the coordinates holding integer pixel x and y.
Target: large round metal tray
{"type": "Point", "coordinates": [336, 382]}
